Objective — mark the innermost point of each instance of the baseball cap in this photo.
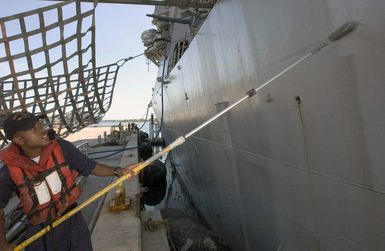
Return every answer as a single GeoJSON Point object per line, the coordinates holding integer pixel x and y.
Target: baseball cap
{"type": "Point", "coordinates": [20, 121]}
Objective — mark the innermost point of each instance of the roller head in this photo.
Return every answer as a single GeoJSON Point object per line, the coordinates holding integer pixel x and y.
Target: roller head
{"type": "Point", "coordinates": [343, 30]}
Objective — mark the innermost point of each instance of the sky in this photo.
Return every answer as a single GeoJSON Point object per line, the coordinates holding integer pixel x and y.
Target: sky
{"type": "Point", "coordinates": [118, 31]}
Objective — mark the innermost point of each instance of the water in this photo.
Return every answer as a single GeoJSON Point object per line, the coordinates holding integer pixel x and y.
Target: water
{"type": "Point", "coordinates": [109, 123]}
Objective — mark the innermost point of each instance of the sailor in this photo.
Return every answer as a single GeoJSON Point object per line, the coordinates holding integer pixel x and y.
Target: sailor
{"type": "Point", "coordinates": [42, 172]}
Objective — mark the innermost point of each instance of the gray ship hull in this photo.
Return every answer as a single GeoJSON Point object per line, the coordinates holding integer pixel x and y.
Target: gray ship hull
{"type": "Point", "coordinates": [300, 166]}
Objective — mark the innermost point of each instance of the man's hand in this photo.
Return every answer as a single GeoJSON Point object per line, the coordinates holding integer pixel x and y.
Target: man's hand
{"type": "Point", "coordinates": [104, 170]}
{"type": "Point", "coordinates": [130, 169]}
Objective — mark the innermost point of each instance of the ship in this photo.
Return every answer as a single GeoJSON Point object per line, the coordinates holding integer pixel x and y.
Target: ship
{"type": "Point", "coordinates": [299, 166]}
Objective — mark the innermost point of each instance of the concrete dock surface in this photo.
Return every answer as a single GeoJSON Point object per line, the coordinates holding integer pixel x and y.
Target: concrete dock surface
{"type": "Point", "coordinates": [122, 230]}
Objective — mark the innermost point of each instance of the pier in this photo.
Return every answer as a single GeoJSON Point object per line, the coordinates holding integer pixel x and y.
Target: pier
{"type": "Point", "coordinates": [123, 229]}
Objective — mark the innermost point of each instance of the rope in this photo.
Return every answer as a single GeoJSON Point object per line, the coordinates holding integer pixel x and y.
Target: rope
{"type": "Point", "coordinates": [145, 120]}
{"type": "Point", "coordinates": [122, 61]}
{"type": "Point", "coordinates": [162, 87]}
{"type": "Point", "coordinates": [115, 151]}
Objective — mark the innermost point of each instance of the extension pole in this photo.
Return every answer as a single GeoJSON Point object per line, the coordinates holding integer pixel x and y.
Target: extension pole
{"type": "Point", "coordinates": [336, 35]}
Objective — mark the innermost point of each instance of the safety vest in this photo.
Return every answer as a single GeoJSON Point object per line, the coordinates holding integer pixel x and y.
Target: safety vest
{"type": "Point", "coordinates": [46, 189]}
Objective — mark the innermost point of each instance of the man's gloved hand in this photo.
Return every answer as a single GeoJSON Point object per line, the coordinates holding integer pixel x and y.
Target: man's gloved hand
{"type": "Point", "coordinates": [120, 171]}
